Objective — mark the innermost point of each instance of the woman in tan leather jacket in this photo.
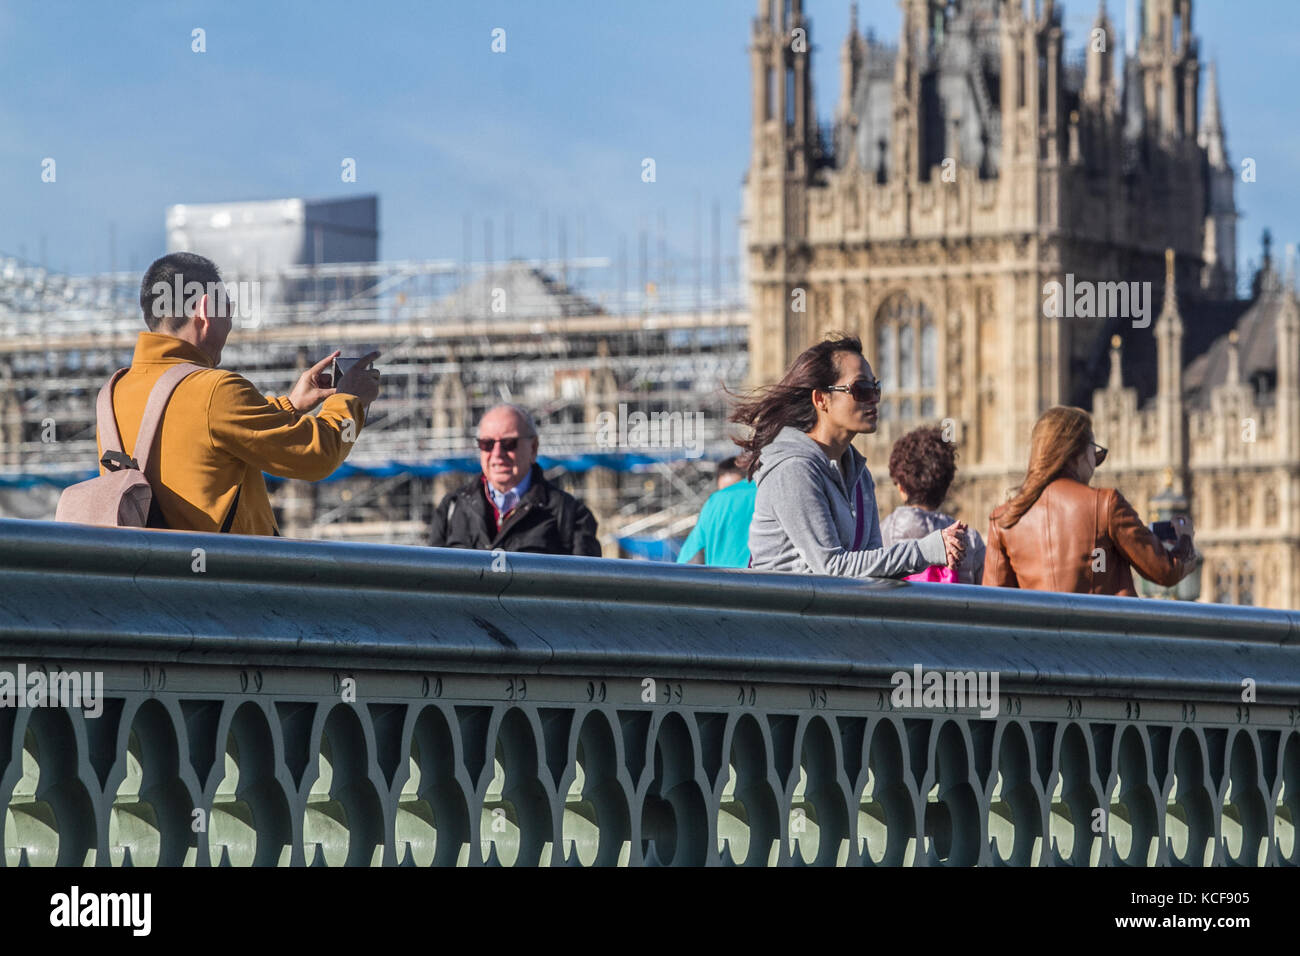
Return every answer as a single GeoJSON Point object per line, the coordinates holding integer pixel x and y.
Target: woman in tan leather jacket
{"type": "Point", "coordinates": [1058, 534]}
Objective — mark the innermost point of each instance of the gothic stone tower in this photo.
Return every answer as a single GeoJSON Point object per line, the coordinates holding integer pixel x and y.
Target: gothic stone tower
{"type": "Point", "coordinates": [965, 169]}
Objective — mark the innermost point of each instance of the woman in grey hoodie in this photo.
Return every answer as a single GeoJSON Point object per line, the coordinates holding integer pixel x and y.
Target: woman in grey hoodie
{"type": "Point", "coordinates": [815, 509]}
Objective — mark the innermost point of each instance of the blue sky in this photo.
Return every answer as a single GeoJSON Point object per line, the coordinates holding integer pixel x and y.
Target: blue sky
{"type": "Point", "coordinates": [441, 127]}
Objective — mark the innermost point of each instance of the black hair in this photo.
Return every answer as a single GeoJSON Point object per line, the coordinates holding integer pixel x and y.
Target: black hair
{"type": "Point", "coordinates": [730, 466]}
{"type": "Point", "coordinates": [789, 402]}
{"type": "Point", "coordinates": [173, 273]}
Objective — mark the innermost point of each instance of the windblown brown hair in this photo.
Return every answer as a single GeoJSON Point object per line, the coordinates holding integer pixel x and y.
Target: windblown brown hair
{"type": "Point", "coordinates": [770, 408]}
{"type": "Point", "coordinates": [1060, 435]}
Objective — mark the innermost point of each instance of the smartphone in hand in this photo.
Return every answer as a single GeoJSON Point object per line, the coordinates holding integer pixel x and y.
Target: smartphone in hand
{"type": "Point", "coordinates": [338, 370]}
{"type": "Point", "coordinates": [1164, 530]}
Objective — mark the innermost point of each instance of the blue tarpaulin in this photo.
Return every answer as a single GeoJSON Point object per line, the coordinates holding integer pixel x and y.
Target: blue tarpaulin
{"type": "Point", "coordinates": [577, 464]}
{"type": "Point", "coordinates": [651, 549]}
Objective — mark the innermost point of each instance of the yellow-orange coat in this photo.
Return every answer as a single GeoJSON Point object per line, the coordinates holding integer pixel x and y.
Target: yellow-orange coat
{"type": "Point", "coordinates": [219, 434]}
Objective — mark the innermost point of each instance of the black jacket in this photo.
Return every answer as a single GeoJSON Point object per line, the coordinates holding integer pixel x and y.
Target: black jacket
{"type": "Point", "coordinates": [545, 521]}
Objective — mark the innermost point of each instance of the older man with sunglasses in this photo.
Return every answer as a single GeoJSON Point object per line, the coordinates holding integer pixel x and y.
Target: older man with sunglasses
{"type": "Point", "coordinates": [511, 506]}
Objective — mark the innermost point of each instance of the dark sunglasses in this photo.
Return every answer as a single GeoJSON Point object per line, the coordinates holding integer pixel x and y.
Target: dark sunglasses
{"type": "Point", "coordinates": [507, 444]}
{"type": "Point", "coordinates": [1100, 452]}
{"type": "Point", "coordinates": [859, 391]}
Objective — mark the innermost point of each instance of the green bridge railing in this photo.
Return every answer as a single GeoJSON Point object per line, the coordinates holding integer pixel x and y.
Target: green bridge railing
{"type": "Point", "coordinates": [176, 699]}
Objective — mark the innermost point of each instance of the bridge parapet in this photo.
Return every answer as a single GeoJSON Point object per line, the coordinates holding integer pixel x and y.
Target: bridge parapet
{"type": "Point", "coordinates": [300, 703]}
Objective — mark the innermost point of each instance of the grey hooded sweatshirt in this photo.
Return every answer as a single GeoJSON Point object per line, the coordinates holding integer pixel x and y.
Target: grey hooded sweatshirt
{"type": "Point", "coordinates": [804, 516]}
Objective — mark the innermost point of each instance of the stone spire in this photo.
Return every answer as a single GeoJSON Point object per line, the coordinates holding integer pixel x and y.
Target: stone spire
{"type": "Point", "coordinates": [1288, 372]}
{"type": "Point", "coordinates": [1116, 376]}
{"type": "Point", "coordinates": [783, 125]}
{"type": "Point", "coordinates": [852, 55]}
{"type": "Point", "coordinates": [1219, 253]}
{"type": "Point", "coordinates": [1169, 376]}
{"type": "Point", "coordinates": [1099, 79]}
{"type": "Point", "coordinates": [1266, 280]}
{"type": "Point", "coordinates": [1169, 310]}
{"type": "Point", "coordinates": [1053, 42]}
{"type": "Point", "coordinates": [1210, 135]}
{"type": "Point", "coordinates": [1135, 110]}
{"type": "Point", "coordinates": [906, 136]}
{"type": "Point", "coordinates": [1169, 67]}
{"type": "Point", "coordinates": [1234, 359]}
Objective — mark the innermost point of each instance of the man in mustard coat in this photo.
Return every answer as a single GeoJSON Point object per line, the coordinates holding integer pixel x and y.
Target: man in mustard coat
{"type": "Point", "coordinates": [219, 433]}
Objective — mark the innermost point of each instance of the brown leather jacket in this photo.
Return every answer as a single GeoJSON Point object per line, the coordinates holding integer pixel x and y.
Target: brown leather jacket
{"type": "Point", "coordinates": [1079, 539]}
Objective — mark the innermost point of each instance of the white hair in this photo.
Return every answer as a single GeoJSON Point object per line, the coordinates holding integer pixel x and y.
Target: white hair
{"type": "Point", "coordinates": [525, 419]}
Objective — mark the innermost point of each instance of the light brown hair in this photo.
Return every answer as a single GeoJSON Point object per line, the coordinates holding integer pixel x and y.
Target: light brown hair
{"type": "Point", "coordinates": [1060, 435]}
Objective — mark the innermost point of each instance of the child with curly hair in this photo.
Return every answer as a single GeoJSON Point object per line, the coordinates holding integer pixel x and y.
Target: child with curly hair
{"type": "Point", "coordinates": [922, 466]}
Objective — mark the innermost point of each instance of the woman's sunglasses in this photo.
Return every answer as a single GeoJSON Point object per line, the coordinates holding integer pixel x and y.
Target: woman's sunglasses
{"type": "Point", "coordinates": [859, 391]}
{"type": "Point", "coordinates": [1100, 452]}
{"type": "Point", "coordinates": [507, 444]}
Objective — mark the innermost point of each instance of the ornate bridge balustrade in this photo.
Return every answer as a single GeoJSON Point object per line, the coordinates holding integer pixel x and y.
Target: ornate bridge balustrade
{"type": "Point", "coordinates": [279, 702]}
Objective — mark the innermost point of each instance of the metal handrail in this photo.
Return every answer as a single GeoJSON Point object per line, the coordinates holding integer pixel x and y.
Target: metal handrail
{"type": "Point", "coordinates": [503, 688]}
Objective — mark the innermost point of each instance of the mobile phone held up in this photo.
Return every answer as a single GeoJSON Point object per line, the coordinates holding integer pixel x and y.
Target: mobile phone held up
{"type": "Point", "coordinates": [337, 370]}
{"type": "Point", "coordinates": [1164, 530]}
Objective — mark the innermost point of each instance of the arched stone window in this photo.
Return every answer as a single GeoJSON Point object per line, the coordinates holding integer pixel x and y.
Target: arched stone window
{"type": "Point", "coordinates": [929, 355]}
{"type": "Point", "coordinates": [886, 336]}
{"type": "Point", "coordinates": [1223, 583]}
{"type": "Point", "coordinates": [1243, 507]}
{"type": "Point", "coordinates": [906, 361]}
{"type": "Point", "coordinates": [1246, 583]}
{"type": "Point", "coordinates": [906, 358]}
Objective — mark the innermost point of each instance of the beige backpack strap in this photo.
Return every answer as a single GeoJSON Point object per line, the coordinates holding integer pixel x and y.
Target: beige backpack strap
{"type": "Point", "coordinates": [153, 411]}
{"type": "Point", "coordinates": [109, 437]}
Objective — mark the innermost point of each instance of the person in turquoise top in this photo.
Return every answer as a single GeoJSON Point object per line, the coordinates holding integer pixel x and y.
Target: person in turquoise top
{"type": "Point", "coordinates": [721, 535]}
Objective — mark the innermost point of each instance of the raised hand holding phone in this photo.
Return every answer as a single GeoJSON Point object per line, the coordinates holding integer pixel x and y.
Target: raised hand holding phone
{"type": "Point", "coordinates": [358, 377]}
{"type": "Point", "coordinates": [313, 386]}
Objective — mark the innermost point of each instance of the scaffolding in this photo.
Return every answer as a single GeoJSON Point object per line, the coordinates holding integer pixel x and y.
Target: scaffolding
{"type": "Point", "coordinates": [584, 356]}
